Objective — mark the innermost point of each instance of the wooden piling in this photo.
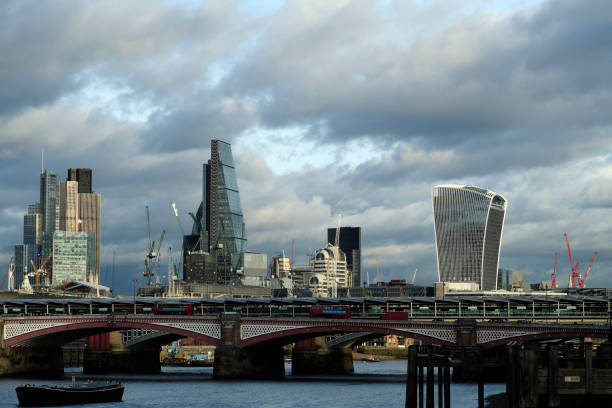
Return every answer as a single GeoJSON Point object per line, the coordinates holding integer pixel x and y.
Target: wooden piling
{"type": "Point", "coordinates": [531, 359]}
{"type": "Point", "coordinates": [447, 379]}
{"type": "Point", "coordinates": [411, 378]}
{"type": "Point", "coordinates": [480, 378]}
{"type": "Point", "coordinates": [421, 396]}
{"type": "Point", "coordinates": [430, 377]}
{"type": "Point", "coordinates": [588, 367]}
{"type": "Point", "coordinates": [554, 400]}
{"type": "Point", "coordinates": [440, 383]}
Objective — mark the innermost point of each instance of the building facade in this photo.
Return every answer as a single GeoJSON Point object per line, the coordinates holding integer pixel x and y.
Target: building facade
{"type": "Point", "coordinates": [89, 217]}
{"type": "Point", "coordinates": [468, 225]}
{"type": "Point", "coordinates": [25, 254]}
{"type": "Point", "coordinates": [49, 209]}
{"type": "Point", "coordinates": [69, 206]}
{"type": "Point", "coordinates": [329, 272]}
{"type": "Point", "coordinates": [83, 177]}
{"type": "Point", "coordinates": [73, 256]}
{"type": "Point", "coordinates": [350, 244]}
{"type": "Point", "coordinates": [219, 222]}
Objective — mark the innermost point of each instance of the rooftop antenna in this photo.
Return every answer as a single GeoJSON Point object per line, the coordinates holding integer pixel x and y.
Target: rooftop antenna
{"type": "Point", "coordinates": [42, 160]}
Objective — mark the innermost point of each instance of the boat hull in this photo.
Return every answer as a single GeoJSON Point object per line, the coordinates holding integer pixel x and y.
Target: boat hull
{"type": "Point", "coordinates": [46, 396]}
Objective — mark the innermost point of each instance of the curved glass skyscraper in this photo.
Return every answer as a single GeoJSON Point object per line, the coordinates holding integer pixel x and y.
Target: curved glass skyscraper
{"type": "Point", "coordinates": [468, 224]}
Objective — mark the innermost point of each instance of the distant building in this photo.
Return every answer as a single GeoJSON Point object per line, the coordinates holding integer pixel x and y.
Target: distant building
{"type": "Point", "coordinates": [200, 267]}
{"type": "Point", "coordinates": [280, 267]}
{"type": "Point", "coordinates": [328, 272]}
{"type": "Point", "coordinates": [219, 223]}
{"type": "Point", "coordinates": [468, 224]}
{"type": "Point", "coordinates": [49, 210]}
{"type": "Point", "coordinates": [90, 218]}
{"type": "Point", "coordinates": [300, 275]}
{"type": "Point", "coordinates": [25, 254]}
{"type": "Point", "coordinates": [32, 229]}
{"type": "Point", "coordinates": [73, 256]}
{"type": "Point", "coordinates": [69, 206]}
{"type": "Point", "coordinates": [350, 244]}
{"type": "Point", "coordinates": [83, 177]}
{"type": "Point", "coordinates": [510, 280]}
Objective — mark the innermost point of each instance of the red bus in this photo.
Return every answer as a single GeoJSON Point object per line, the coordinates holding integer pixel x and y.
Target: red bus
{"type": "Point", "coordinates": [173, 308]}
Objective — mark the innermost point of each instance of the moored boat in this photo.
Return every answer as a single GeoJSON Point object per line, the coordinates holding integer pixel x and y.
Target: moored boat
{"type": "Point", "coordinates": [69, 394]}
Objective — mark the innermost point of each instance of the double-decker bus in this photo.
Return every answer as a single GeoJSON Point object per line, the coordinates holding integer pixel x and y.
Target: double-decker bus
{"type": "Point", "coordinates": [173, 308]}
{"type": "Point", "coordinates": [331, 313]}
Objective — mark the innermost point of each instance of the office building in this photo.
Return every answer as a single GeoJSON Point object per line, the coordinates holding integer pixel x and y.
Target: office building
{"type": "Point", "coordinates": [199, 267]}
{"type": "Point", "coordinates": [69, 206]}
{"type": "Point", "coordinates": [32, 229]}
{"type": "Point", "coordinates": [219, 224]}
{"type": "Point", "coordinates": [468, 224]}
{"type": "Point", "coordinates": [350, 244]}
{"type": "Point", "coordinates": [329, 272]}
{"type": "Point", "coordinates": [25, 254]}
{"type": "Point", "coordinates": [89, 217]}
{"type": "Point", "coordinates": [73, 256]}
{"type": "Point", "coordinates": [49, 210]}
{"type": "Point", "coordinates": [83, 177]}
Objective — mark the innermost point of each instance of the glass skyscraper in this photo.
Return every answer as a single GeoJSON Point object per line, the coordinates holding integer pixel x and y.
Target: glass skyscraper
{"type": "Point", "coordinates": [49, 209]}
{"type": "Point", "coordinates": [468, 224]}
{"type": "Point", "coordinates": [74, 256]}
{"type": "Point", "coordinates": [219, 223]}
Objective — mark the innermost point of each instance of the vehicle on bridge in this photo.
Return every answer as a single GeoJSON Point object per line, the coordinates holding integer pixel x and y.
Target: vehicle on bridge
{"type": "Point", "coordinates": [174, 309]}
{"type": "Point", "coordinates": [331, 313]}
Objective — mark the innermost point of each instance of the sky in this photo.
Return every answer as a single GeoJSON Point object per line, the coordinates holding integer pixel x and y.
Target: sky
{"type": "Point", "coordinates": [347, 107]}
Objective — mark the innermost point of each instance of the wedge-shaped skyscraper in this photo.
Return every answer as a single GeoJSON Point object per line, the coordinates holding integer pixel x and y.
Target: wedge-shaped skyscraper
{"type": "Point", "coordinates": [468, 224]}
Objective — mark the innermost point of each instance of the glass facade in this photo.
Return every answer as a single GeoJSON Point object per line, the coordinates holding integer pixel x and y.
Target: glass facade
{"type": "Point", "coordinates": [25, 254]}
{"type": "Point", "coordinates": [74, 255]}
{"type": "Point", "coordinates": [49, 209]}
{"type": "Point", "coordinates": [468, 224]}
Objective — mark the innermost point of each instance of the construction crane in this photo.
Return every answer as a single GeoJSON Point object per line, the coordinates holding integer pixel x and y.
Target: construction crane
{"type": "Point", "coordinates": [586, 273]}
{"type": "Point", "coordinates": [572, 276]}
{"type": "Point", "coordinates": [8, 273]}
{"type": "Point", "coordinates": [152, 256]}
{"type": "Point", "coordinates": [413, 276]}
{"type": "Point", "coordinates": [554, 274]}
{"type": "Point", "coordinates": [173, 205]}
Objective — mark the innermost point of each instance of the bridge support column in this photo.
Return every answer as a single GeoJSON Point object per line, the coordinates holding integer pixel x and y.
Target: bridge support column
{"type": "Point", "coordinates": [311, 357]}
{"type": "Point", "coordinates": [105, 354]}
{"type": "Point", "coordinates": [235, 362]}
{"type": "Point", "coordinates": [31, 361]}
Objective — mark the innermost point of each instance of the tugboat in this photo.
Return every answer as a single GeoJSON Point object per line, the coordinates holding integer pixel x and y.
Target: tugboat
{"type": "Point", "coordinates": [69, 394]}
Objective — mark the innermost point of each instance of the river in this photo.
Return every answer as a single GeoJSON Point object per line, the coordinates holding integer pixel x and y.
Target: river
{"type": "Point", "coordinates": [379, 384]}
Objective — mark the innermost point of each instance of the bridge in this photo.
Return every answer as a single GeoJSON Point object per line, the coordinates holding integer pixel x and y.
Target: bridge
{"type": "Point", "coordinates": [249, 330]}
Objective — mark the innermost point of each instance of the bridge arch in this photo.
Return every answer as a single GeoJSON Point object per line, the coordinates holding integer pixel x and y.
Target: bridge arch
{"type": "Point", "coordinates": [58, 330]}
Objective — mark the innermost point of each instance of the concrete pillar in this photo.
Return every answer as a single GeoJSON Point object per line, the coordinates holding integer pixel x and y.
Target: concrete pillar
{"type": "Point", "coordinates": [318, 359]}
{"type": "Point", "coordinates": [105, 354]}
{"type": "Point", "coordinates": [235, 362]}
{"type": "Point", "coordinates": [21, 361]}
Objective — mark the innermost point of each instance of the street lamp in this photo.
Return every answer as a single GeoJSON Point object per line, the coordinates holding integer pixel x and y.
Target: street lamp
{"type": "Point", "coordinates": [134, 281]}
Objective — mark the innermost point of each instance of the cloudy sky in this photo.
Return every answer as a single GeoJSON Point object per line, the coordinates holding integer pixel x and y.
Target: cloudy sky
{"type": "Point", "coordinates": [352, 107]}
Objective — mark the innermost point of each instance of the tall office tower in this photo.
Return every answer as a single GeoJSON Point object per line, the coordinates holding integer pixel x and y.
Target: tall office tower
{"type": "Point", "coordinates": [83, 177]}
{"type": "Point", "coordinates": [69, 206]}
{"type": "Point", "coordinates": [329, 272]}
{"type": "Point", "coordinates": [73, 255]}
{"type": "Point", "coordinates": [468, 224]}
{"type": "Point", "coordinates": [48, 209]}
{"type": "Point", "coordinates": [25, 254]}
{"type": "Point", "coordinates": [32, 229]}
{"type": "Point", "coordinates": [350, 244]}
{"type": "Point", "coordinates": [89, 214]}
{"type": "Point", "coordinates": [219, 224]}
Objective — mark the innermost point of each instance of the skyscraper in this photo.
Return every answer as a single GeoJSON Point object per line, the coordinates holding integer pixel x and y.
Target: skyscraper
{"type": "Point", "coordinates": [69, 206]}
{"type": "Point", "coordinates": [83, 177]}
{"type": "Point", "coordinates": [48, 209]}
{"type": "Point", "coordinates": [219, 224]}
{"type": "Point", "coordinates": [468, 224]}
{"type": "Point", "coordinates": [350, 244]}
{"type": "Point", "coordinates": [89, 215]}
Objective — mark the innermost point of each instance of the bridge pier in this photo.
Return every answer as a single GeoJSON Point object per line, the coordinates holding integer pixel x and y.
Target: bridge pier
{"type": "Point", "coordinates": [235, 362]}
{"type": "Point", "coordinates": [22, 361]}
{"type": "Point", "coordinates": [105, 354]}
{"type": "Point", "coordinates": [311, 357]}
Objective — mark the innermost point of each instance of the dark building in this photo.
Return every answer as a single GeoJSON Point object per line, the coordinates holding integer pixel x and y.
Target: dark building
{"type": "Point", "coordinates": [219, 223]}
{"type": "Point", "coordinates": [83, 176]}
{"type": "Point", "coordinates": [49, 208]}
{"type": "Point", "coordinates": [350, 244]}
{"type": "Point", "coordinates": [200, 267]}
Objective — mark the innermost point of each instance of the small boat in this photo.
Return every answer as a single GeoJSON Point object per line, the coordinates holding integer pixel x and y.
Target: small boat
{"type": "Point", "coordinates": [68, 394]}
{"type": "Point", "coordinates": [371, 359]}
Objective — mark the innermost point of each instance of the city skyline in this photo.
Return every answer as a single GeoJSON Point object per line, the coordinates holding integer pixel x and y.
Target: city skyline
{"type": "Point", "coordinates": [509, 97]}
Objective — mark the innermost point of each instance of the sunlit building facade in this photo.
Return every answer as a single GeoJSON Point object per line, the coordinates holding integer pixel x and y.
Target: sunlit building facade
{"type": "Point", "coordinates": [468, 225]}
{"type": "Point", "coordinates": [74, 255]}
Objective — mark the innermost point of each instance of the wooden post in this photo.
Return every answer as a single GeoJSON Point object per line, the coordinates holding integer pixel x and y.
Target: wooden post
{"type": "Point", "coordinates": [421, 386]}
{"type": "Point", "coordinates": [531, 354]}
{"type": "Point", "coordinates": [480, 378]}
{"type": "Point", "coordinates": [553, 377]}
{"type": "Point", "coordinates": [511, 377]}
{"type": "Point", "coordinates": [447, 379]}
{"type": "Point", "coordinates": [411, 378]}
{"type": "Point", "coordinates": [440, 381]}
{"type": "Point", "coordinates": [588, 367]}
{"type": "Point", "coordinates": [430, 377]}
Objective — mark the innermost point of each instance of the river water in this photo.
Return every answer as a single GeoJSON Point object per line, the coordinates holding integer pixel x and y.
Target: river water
{"type": "Point", "coordinates": [379, 384]}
